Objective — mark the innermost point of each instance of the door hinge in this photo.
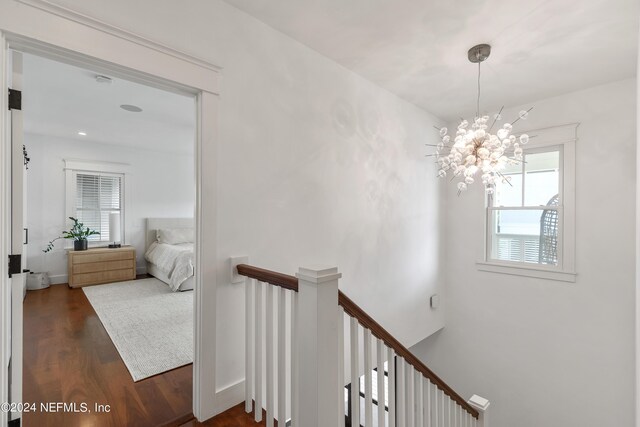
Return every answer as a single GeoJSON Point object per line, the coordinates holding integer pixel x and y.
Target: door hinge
{"type": "Point", "coordinates": [15, 264]}
{"type": "Point", "coordinates": [15, 99]}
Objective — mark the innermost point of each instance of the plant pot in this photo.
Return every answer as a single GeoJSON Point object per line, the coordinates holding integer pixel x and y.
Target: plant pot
{"type": "Point", "coordinates": [80, 245]}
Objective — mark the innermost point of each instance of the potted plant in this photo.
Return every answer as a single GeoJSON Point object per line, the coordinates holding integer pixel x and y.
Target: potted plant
{"type": "Point", "coordinates": [79, 233]}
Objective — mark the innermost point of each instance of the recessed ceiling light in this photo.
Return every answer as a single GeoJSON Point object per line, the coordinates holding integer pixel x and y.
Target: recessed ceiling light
{"type": "Point", "coordinates": [81, 133]}
{"type": "Point", "coordinates": [132, 108]}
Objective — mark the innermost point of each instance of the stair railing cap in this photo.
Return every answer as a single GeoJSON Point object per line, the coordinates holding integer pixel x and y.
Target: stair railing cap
{"type": "Point", "coordinates": [480, 403]}
{"type": "Point", "coordinates": [318, 273]}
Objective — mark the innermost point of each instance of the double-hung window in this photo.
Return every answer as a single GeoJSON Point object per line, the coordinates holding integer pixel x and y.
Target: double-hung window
{"type": "Point", "coordinates": [94, 194]}
{"type": "Point", "coordinates": [530, 217]}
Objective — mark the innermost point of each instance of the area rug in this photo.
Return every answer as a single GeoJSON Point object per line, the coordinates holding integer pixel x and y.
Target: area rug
{"type": "Point", "coordinates": [151, 326]}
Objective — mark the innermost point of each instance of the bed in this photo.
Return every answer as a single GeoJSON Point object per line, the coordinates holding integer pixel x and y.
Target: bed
{"type": "Point", "coordinates": [169, 253]}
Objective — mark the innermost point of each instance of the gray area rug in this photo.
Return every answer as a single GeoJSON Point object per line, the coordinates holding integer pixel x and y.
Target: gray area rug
{"type": "Point", "coordinates": [151, 326]}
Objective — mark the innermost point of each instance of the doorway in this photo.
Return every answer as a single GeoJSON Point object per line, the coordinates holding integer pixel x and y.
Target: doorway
{"type": "Point", "coordinates": [119, 65]}
{"type": "Point", "coordinates": [118, 158]}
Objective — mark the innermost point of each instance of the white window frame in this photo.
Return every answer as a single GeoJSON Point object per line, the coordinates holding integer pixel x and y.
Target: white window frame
{"type": "Point", "coordinates": [564, 137]}
{"type": "Point", "coordinates": [72, 168]}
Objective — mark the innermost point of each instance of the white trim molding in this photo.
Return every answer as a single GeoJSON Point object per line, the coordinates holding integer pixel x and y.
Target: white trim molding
{"type": "Point", "coordinates": [96, 166]}
{"type": "Point", "coordinates": [229, 397]}
{"type": "Point", "coordinates": [42, 28]}
{"type": "Point", "coordinates": [94, 23]}
{"type": "Point", "coordinates": [521, 270]}
{"type": "Point", "coordinates": [564, 136]}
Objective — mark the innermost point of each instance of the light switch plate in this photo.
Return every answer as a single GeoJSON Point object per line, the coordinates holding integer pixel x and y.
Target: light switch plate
{"type": "Point", "coordinates": [434, 300]}
{"type": "Point", "coordinates": [234, 261]}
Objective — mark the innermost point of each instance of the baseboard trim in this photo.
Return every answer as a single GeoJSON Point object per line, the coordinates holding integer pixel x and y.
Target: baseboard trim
{"type": "Point", "coordinates": [57, 279]}
{"type": "Point", "coordinates": [229, 397]}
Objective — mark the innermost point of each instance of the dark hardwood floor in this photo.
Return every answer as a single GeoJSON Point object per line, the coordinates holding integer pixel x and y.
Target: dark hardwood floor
{"type": "Point", "coordinates": [69, 357]}
{"type": "Point", "coordinates": [234, 417]}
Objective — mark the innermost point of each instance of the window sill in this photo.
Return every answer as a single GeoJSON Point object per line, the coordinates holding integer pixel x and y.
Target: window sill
{"type": "Point", "coordinates": [518, 270]}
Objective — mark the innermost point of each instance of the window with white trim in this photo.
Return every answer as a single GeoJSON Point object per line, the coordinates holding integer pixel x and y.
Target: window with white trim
{"type": "Point", "coordinates": [524, 213]}
{"type": "Point", "coordinates": [530, 219]}
{"type": "Point", "coordinates": [94, 189]}
{"type": "Point", "coordinates": [97, 194]}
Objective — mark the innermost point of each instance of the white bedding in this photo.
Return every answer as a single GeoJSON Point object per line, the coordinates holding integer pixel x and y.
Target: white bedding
{"type": "Point", "coordinates": [176, 261]}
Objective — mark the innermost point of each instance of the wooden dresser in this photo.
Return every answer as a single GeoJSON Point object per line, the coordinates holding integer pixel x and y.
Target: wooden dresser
{"type": "Point", "coordinates": [101, 265]}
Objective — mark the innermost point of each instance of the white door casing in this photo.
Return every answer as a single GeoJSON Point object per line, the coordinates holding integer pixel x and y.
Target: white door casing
{"type": "Point", "coordinates": [17, 242]}
{"type": "Point", "coordinates": [65, 36]}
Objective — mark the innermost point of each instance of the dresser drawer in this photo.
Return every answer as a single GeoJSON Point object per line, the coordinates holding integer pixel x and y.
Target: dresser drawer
{"type": "Point", "coordinates": [93, 267]}
{"type": "Point", "coordinates": [102, 257]}
{"type": "Point", "coordinates": [103, 277]}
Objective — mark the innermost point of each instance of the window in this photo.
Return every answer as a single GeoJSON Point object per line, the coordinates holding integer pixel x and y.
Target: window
{"type": "Point", "coordinates": [94, 190]}
{"type": "Point", "coordinates": [97, 195]}
{"type": "Point", "coordinates": [523, 213]}
{"type": "Point", "coordinates": [530, 217]}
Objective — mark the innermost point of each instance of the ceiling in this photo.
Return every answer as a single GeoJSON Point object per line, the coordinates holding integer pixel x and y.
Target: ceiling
{"type": "Point", "coordinates": [61, 100]}
{"type": "Point", "coordinates": [417, 49]}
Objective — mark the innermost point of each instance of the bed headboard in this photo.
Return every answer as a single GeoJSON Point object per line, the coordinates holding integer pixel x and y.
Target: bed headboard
{"type": "Point", "coordinates": [154, 224]}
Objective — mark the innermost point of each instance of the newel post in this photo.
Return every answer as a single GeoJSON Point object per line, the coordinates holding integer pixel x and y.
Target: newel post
{"type": "Point", "coordinates": [317, 346]}
{"type": "Point", "coordinates": [482, 405]}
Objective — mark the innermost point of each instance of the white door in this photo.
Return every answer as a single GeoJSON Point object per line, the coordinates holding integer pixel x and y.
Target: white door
{"type": "Point", "coordinates": [17, 262]}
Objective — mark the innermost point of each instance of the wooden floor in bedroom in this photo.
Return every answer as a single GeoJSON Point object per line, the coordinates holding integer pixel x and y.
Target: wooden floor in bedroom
{"type": "Point", "coordinates": [69, 357]}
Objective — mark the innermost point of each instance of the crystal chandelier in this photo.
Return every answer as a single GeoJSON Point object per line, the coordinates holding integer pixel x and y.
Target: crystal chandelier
{"type": "Point", "coordinates": [474, 149]}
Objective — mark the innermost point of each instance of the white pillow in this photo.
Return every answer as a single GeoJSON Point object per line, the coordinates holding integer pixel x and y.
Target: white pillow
{"type": "Point", "coordinates": [175, 236]}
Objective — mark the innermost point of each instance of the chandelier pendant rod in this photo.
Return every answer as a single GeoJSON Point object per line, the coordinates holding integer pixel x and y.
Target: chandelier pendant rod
{"type": "Point", "coordinates": [478, 100]}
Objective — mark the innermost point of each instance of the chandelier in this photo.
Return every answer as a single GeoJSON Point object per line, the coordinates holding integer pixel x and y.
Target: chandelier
{"type": "Point", "coordinates": [475, 149]}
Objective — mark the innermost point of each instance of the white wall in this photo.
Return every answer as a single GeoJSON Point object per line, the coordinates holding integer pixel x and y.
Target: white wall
{"type": "Point", "coordinates": [549, 353]}
{"type": "Point", "coordinates": [637, 287]}
{"type": "Point", "coordinates": [316, 165]}
{"type": "Point", "coordinates": [157, 184]}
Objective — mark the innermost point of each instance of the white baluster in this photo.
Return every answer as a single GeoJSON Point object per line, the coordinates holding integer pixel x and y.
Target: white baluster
{"type": "Point", "coordinates": [294, 360]}
{"type": "Point", "coordinates": [341, 414]}
{"type": "Point", "coordinates": [282, 357]}
{"type": "Point", "coordinates": [411, 412]}
{"type": "Point", "coordinates": [270, 382]}
{"type": "Point", "coordinates": [449, 417]}
{"type": "Point", "coordinates": [456, 415]}
{"type": "Point", "coordinates": [355, 378]}
{"type": "Point", "coordinates": [443, 399]}
{"type": "Point", "coordinates": [380, 377]}
{"type": "Point", "coordinates": [248, 348]}
{"type": "Point", "coordinates": [418, 382]}
{"type": "Point", "coordinates": [436, 407]}
{"type": "Point", "coordinates": [400, 390]}
{"type": "Point", "coordinates": [368, 387]}
{"type": "Point", "coordinates": [427, 398]}
{"type": "Point", "coordinates": [258, 354]}
{"type": "Point", "coordinates": [391, 366]}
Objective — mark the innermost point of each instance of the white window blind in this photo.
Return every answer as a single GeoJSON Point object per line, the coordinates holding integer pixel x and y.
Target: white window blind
{"type": "Point", "coordinates": [97, 195]}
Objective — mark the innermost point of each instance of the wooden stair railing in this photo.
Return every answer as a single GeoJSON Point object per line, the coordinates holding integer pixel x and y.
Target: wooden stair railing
{"type": "Point", "coordinates": [352, 309]}
{"type": "Point", "coordinates": [268, 276]}
{"type": "Point", "coordinates": [370, 326]}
